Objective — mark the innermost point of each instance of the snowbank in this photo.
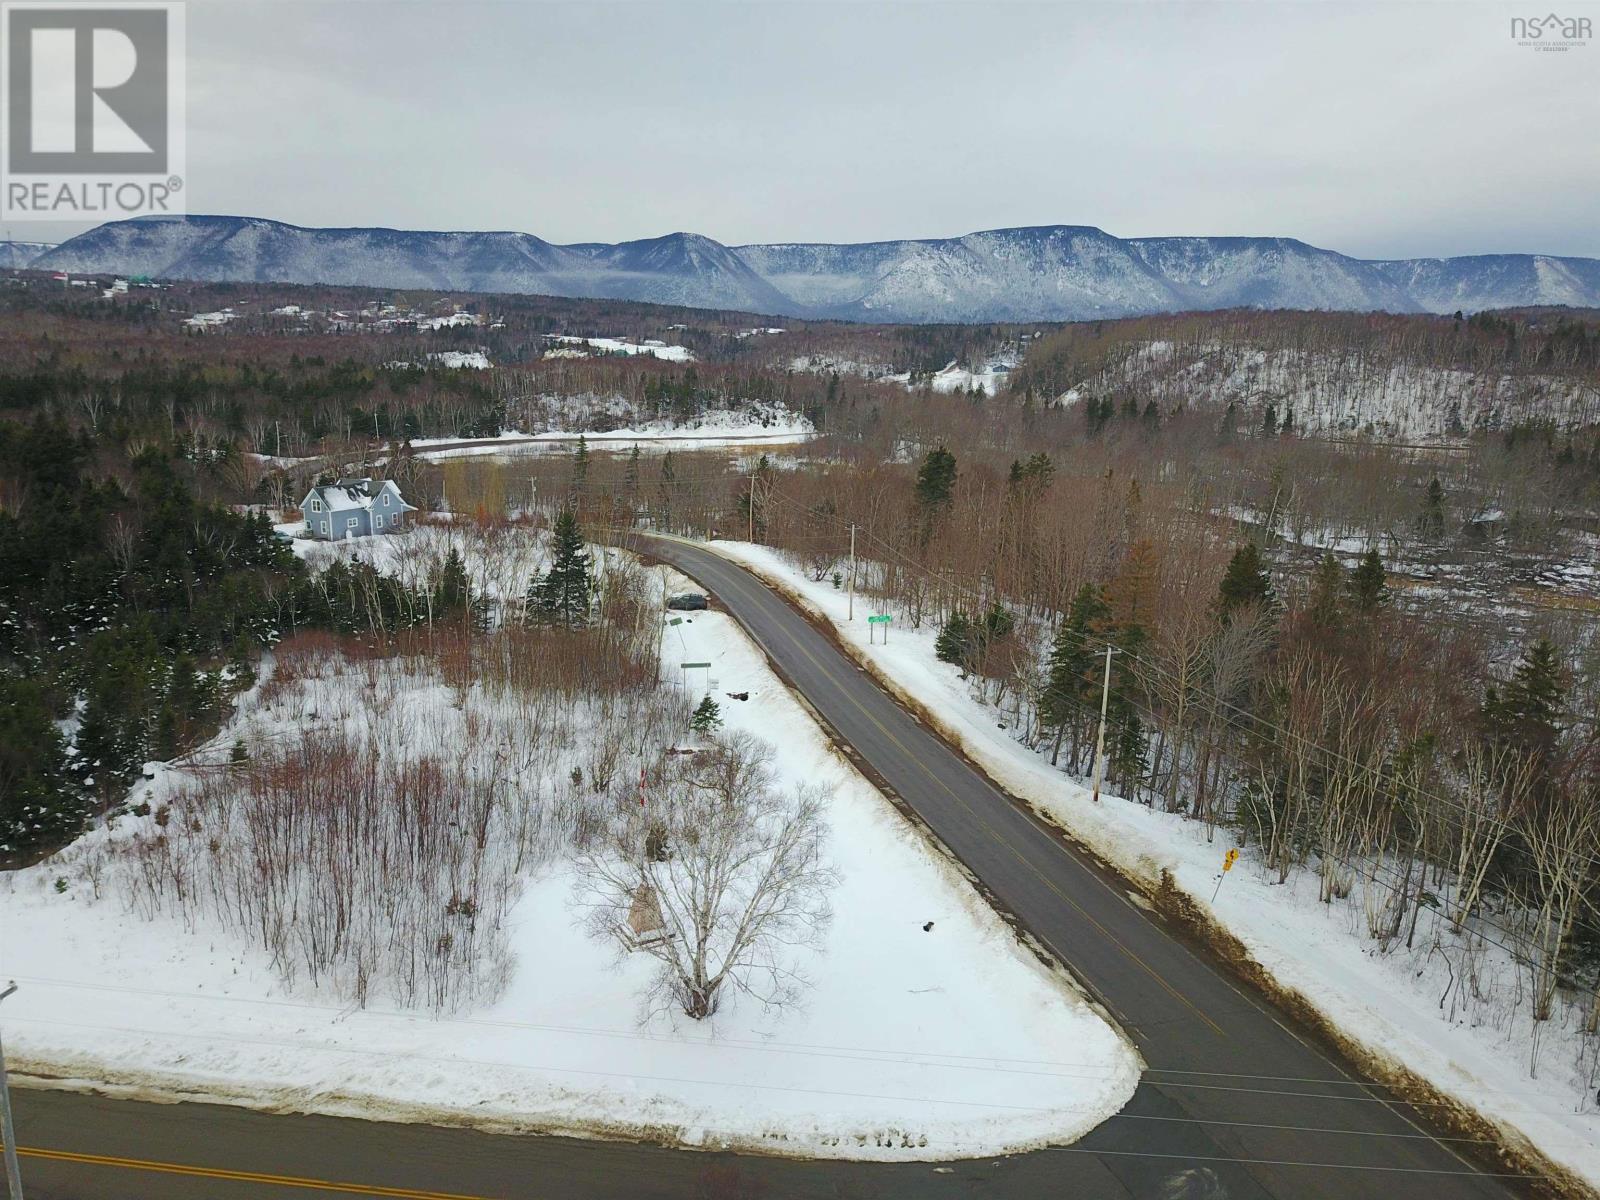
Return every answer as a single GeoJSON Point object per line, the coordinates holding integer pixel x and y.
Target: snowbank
{"type": "Point", "coordinates": [911, 1044]}
{"type": "Point", "coordinates": [1390, 1003]}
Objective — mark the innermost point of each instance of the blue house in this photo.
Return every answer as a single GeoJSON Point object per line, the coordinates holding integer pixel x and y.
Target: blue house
{"type": "Point", "coordinates": [353, 508]}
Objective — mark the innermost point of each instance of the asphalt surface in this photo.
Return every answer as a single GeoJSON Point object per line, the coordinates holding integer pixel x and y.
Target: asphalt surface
{"type": "Point", "coordinates": [1235, 1103]}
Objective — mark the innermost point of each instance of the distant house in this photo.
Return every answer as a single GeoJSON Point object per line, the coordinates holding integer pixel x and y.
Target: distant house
{"type": "Point", "coordinates": [353, 508]}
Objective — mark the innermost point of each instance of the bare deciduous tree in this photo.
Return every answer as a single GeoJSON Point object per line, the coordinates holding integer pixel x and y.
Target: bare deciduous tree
{"type": "Point", "coordinates": [729, 869]}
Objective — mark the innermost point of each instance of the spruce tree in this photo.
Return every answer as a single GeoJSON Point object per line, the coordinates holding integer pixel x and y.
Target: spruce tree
{"type": "Point", "coordinates": [1369, 589]}
{"type": "Point", "coordinates": [565, 593]}
{"type": "Point", "coordinates": [936, 479]}
{"type": "Point", "coordinates": [630, 483]}
{"type": "Point", "coordinates": [1529, 710]}
{"type": "Point", "coordinates": [1431, 522]}
{"type": "Point", "coordinates": [707, 717]}
{"type": "Point", "coordinates": [954, 644]}
{"type": "Point", "coordinates": [1244, 583]}
{"type": "Point", "coordinates": [1325, 604]}
{"type": "Point", "coordinates": [1071, 661]}
{"type": "Point", "coordinates": [580, 467]}
{"type": "Point", "coordinates": [451, 589]}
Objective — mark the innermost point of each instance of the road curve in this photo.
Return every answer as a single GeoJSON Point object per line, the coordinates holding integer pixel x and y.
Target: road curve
{"type": "Point", "coordinates": [1235, 1105]}
{"type": "Point", "coordinates": [1236, 1102]}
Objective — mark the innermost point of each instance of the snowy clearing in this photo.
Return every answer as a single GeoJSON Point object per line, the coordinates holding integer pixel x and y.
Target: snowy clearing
{"type": "Point", "coordinates": [1469, 1047]}
{"type": "Point", "coordinates": [607, 345]}
{"type": "Point", "coordinates": [711, 430]}
{"type": "Point", "coordinates": [910, 1045]}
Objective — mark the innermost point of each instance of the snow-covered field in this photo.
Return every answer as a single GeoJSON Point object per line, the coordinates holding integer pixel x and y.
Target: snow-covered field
{"type": "Point", "coordinates": [911, 1044]}
{"type": "Point", "coordinates": [606, 345]}
{"type": "Point", "coordinates": [1411, 1007]}
{"type": "Point", "coordinates": [755, 425]}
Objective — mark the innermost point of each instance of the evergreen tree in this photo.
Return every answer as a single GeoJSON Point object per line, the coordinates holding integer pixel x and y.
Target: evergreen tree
{"type": "Point", "coordinates": [630, 483]}
{"type": "Point", "coordinates": [1269, 422]}
{"type": "Point", "coordinates": [1152, 417]}
{"type": "Point", "coordinates": [707, 717]}
{"type": "Point", "coordinates": [1325, 604]}
{"type": "Point", "coordinates": [1071, 663]}
{"type": "Point", "coordinates": [580, 468]}
{"type": "Point", "coordinates": [1369, 589]}
{"type": "Point", "coordinates": [1431, 522]}
{"type": "Point", "coordinates": [954, 643]}
{"type": "Point", "coordinates": [1527, 713]}
{"type": "Point", "coordinates": [666, 491]}
{"type": "Point", "coordinates": [38, 804]}
{"type": "Point", "coordinates": [936, 479]}
{"type": "Point", "coordinates": [1245, 583]}
{"type": "Point", "coordinates": [565, 593]}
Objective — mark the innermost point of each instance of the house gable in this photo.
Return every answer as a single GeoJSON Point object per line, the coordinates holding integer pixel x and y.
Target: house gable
{"type": "Point", "coordinates": [353, 508]}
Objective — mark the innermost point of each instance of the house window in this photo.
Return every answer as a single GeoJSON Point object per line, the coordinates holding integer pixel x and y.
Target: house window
{"type": "Point", "coordinates": [316, 506]}
{"type": "Point", "coordinates": [377, 521]}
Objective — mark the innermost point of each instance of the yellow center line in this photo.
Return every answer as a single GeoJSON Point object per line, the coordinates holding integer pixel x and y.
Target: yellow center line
{"type": "Point", "coordinates": [994, 835]}
{"type": "Point", "coordinates": [286, 1181]}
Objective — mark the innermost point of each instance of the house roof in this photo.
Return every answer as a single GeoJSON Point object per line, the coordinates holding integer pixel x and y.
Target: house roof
{"type": "Point", "coordinates": [349, 494]}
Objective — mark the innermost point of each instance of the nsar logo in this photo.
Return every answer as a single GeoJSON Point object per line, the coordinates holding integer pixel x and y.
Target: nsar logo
{"type": "Point", "coordinates": [1551, 32]}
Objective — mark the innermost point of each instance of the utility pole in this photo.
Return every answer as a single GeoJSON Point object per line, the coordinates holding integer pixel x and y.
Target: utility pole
{"type": "Point", "coordinates": [1100, 741]}
{"type": "Point", "coordinates": [752, 510]}
{"type": "Point", "coordinates": [852, 601]}
{"type": "Point", "coordinates": [13, 1173]}
{"type": "Point", "coordinates": [277, 428]}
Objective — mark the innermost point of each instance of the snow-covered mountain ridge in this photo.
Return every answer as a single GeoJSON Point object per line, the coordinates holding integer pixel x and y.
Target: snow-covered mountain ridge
{"type": "Point", "coordinates": [1052, 272]}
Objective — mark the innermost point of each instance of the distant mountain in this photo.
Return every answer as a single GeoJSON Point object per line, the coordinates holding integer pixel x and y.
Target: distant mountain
{"type": "Point", "coordinates": [19, 254]}
{"type": "Point", "coordinates": [1052, 272]}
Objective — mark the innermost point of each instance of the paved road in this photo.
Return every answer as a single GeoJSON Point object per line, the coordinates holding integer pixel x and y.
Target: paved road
{"type": "Point", "coordinates": [1236, 1101]}
{"type": "Point", "coordinates": [1236, 1105]}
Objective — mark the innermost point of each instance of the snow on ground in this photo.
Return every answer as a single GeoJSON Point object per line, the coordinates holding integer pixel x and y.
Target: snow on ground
{"type": "Point", "coordinates": [500, 562]}
{"type": "Point", "coordinates": [1350, 392]}
{"type": "Point", "coordinates": [449, 322]}
{"type": "Point", "coordinates": [953, 377]}
{"type": "Point", "coordinates": [1392, 1003]}
{"type": "Point", "coordinates": [956, 378]}
{"type": "Point", "coordinates": [766, 425]}
{"type": "Point", "coordinates": [911, 1045]}
{"type": "Point", "coordinates": [828, 364]}
{"type": "Point", "coordinates": [477, 360]}
{"type": "Point", "coordinates": [211, 320]}
{"type": "Point", "coordinates": [606, 345]}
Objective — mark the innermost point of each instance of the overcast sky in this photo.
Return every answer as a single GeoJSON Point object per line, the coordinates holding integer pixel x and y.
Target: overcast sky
{"type": "Point", "coordinates": [1379, 130]}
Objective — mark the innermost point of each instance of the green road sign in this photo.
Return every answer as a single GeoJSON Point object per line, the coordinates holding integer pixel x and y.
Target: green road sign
{"type": "Point", "coordinates": [696, 666]}
{"type": "Point", "coordinates": [675, 621]}
{"type": "Point", "coordinates": [878, 620]}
